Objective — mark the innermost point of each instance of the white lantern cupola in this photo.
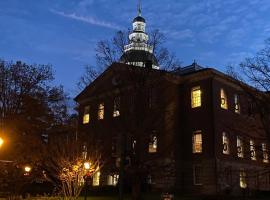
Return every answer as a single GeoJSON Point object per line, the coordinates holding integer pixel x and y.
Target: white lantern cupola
{"type": "Point", "coordinates": [138, 52]}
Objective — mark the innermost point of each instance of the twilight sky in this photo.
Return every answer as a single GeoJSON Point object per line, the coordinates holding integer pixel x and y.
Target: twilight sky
{"type": "Point", "coordinates": [64, 32]}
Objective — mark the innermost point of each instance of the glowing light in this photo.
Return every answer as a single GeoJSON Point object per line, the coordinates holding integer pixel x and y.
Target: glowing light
{"type": "Point", "coordinates": [87, 165]}
{"type": "Point", "coordinates": [27, 169]}
{"type": "Point", "coordinates": [196, 95]}
{"type": "Point", "coordinates": [1, 141]}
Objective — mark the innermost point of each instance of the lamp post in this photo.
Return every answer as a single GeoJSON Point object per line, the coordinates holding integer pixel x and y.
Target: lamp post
{"type": "Point", "coordinates": [27, 170]}
{"type": "Point", "coordinates": [86, 178]}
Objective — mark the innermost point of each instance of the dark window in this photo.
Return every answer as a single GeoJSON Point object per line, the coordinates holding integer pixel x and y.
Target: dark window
{"type": "Point", "coordinates": [197, 175]}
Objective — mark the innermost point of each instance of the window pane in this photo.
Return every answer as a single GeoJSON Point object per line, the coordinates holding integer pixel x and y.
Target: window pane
{"type": "Point", "coordinates": [225, 141]}
{"type": "Point", "coordinates": [116, 107]}
{"type": "Point", "coordinates": [96, 178]}
{"type": "Point", "coordinates": [236, 104]}
{"type": "Point", "coordinates": [101, 111]}
{"type": "Point", "coordinates": [265, 153]}
{"type": "Point", "coordinates": [223, 99]}
{"type": "Point", "coordinates": [86, 115]}
{"type": "Point", "coordinates": [112, 179]}
{"type": "Point", "coordinates": [197, 142]}
{"type": "Point", "coordinates": [153, 144]}
{"type": "Point", "coordinates": [252, 150]}
{"type": "Point", "coordinates": [197, 175]}
{"type": "Point", "coordinates": [240, 147]}
{"type": "Point", "coordinates": [196, 97]}
{"type": "Point", "coordinates": [242, 181]}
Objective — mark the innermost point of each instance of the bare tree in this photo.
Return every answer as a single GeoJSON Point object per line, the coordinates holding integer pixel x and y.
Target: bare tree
{"type": "Point", "coordinates": [110, 51]}
{"type": "Point", "coordinates": [69, 163]}
{"type": "Point", "coordinates": [255, 71]}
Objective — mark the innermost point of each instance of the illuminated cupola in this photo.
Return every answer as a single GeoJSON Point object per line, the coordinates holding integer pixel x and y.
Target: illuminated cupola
{"type": "Point", "coordinates": [138, 52]}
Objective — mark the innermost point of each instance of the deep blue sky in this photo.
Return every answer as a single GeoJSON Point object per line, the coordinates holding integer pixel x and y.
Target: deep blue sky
{"type": "Point", "coordinates": [64, 32]}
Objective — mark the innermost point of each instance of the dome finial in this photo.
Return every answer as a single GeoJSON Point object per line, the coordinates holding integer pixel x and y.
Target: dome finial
{"type": "Point", "coordinates": [139, 8]}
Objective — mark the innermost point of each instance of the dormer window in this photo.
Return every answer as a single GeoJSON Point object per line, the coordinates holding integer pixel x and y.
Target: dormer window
{"type": "Point", "coordinates": [223, 99]}
{"type": "Point", "coordinates": [86, 115]}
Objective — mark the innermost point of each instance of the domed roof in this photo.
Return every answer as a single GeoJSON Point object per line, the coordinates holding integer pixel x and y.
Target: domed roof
{"type": "Point", "coordinates": [136, 56]}
{"type": "Point", "coordinates": [139, 19]}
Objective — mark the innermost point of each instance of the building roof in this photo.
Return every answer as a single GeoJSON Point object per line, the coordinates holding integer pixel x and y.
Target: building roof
{"type": "Point", "coordinates": [139, 19]}
{"type": "Point", "coordinates": [134, 56]}
{"type": "Point", "coordinates": [186, 73]}
{"type": "Point", "coordinates": [188, 69]}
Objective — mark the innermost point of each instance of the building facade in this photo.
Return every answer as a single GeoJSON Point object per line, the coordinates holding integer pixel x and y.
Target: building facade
{"type": "Point", "coordinates": [193, 130]}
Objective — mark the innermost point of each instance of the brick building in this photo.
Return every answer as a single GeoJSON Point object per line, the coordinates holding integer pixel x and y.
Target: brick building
{"type": "Point", "coordinates": [191, 130]}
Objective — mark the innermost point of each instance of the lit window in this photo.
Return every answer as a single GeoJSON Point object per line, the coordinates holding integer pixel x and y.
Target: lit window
{"type": "Point", "coordinates": [196, 96]}
{"type": "Point", "coordinates": [240, 147]}
{"type": "Point", "coordinates": [265, 153]}
{"type": "Point", "coordinates": [152, 144]}
{"type": "Point", "coordinates": [101, 111]}
{"type": "Point", "coordinates": [113, 179]}
{"type": "Point", "coordinates": [225, 141]}
{"type": "Point", "coordinates": [252, 150]}
{"type": "Point", "coordinates": [197, 142]}
{"type": "Point", "coordinates": [96, 178]}
{"type": "Point", "coordinates": [197, 175]}
{"type": "Point", "coordinates": [236, 104]}
{"type": "Point", "coordinates": [86, 115]}
{"type": "Point", "coordinates": [223, 99]}
{"type": "Point", "coordinates": [134, 142]}
{"type": "Point", "coordinates": [242, 179]}
{"type": "Point", "coordinates": [116, 107]}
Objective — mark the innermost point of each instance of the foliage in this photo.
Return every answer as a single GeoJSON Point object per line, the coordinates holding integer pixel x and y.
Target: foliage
{"type": "Point", "coordinates": [30, 106]}
{"type": "Point", "coordinates": [32, 110]}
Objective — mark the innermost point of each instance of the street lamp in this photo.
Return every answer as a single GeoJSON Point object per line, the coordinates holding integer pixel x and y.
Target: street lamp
{"type": "Point", "coordinates": [27, 170]}
{"type": "Point", "coordinates": [87, 165]}
{"type": "Point", "coordinates": [1, 141]}
{"type": "Point", "coordinates": [86, 177]}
